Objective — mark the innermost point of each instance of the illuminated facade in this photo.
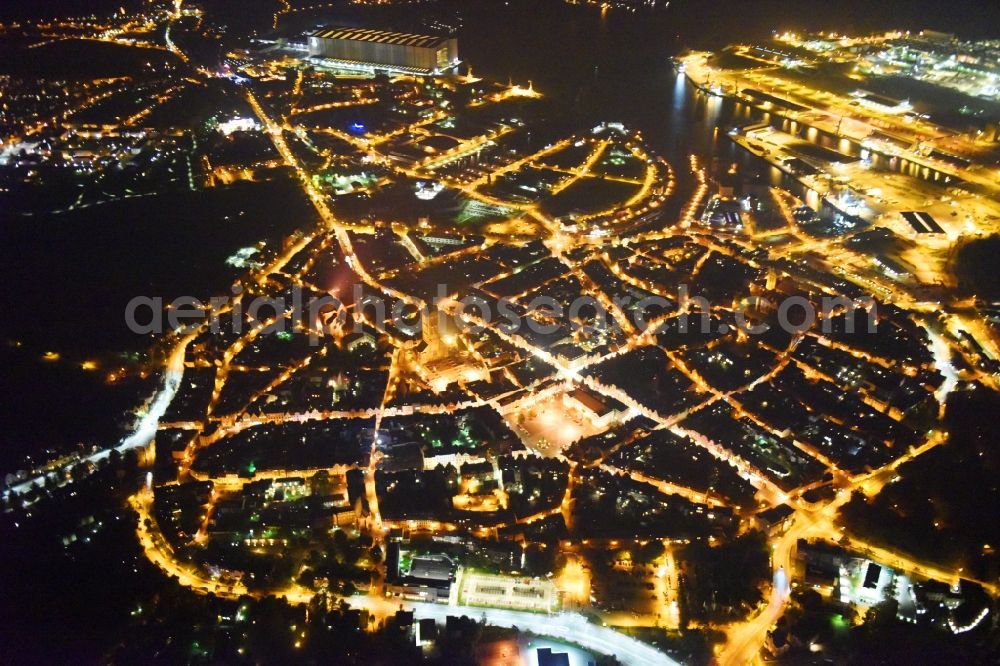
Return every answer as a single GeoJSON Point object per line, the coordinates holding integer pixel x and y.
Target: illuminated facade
{"type": "Point", "coordinates": [385, 50]}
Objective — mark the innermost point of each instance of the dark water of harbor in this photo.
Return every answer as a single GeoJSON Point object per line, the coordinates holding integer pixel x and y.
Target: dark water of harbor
{"type": "Point", "coordinates": [616, 65]}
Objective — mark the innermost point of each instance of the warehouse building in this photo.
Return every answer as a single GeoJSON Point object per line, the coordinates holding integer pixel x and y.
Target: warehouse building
{"type": "Point", "coordinates": [380, 50]}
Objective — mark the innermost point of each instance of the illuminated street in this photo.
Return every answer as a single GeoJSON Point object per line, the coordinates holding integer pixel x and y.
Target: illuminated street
{"type": "Point", "coordinates": [671, 356]}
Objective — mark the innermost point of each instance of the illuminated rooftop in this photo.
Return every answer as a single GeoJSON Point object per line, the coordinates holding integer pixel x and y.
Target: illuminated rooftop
{"type": "Point", "coordinates": [380, 37]}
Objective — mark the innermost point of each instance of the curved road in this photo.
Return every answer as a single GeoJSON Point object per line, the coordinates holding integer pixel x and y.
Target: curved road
{"type": "Point", "coordinates": [570, 627]}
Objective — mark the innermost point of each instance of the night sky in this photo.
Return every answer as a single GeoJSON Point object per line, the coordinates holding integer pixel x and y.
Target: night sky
{"type": "Point", "coordinates": [968, 18]}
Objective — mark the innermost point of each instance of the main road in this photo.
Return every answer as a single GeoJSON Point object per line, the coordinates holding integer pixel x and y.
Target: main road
{"type": "Point", "coordinates": [571, 627]}
{"type": "Point", "coordinates": [145, 426]}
